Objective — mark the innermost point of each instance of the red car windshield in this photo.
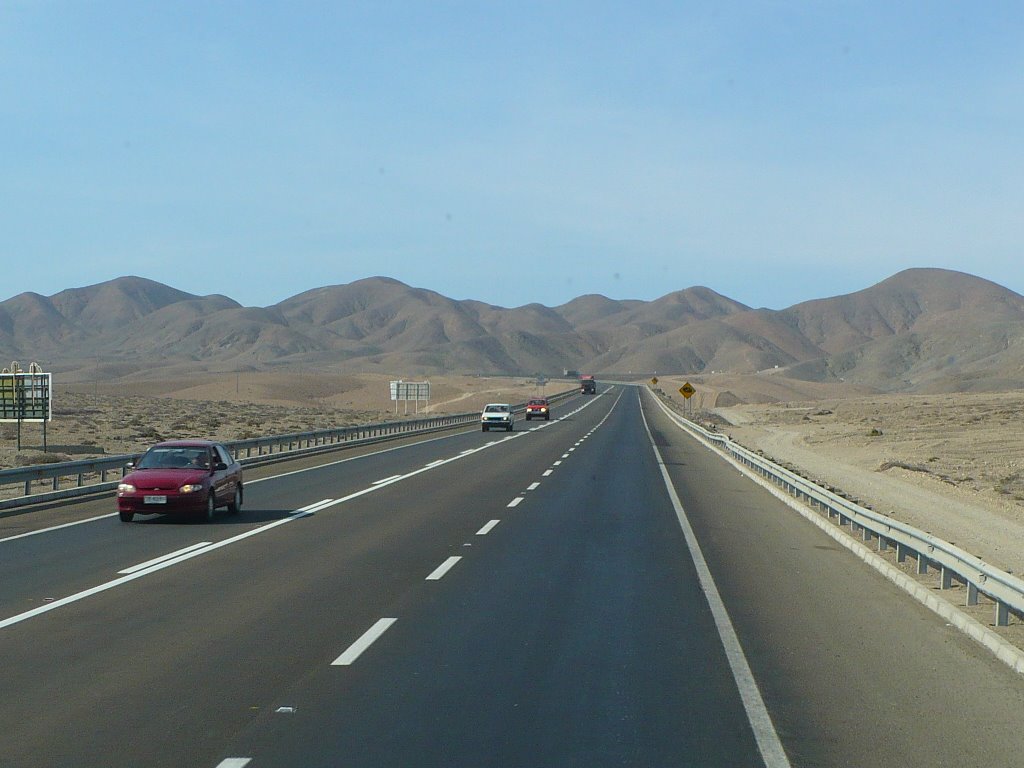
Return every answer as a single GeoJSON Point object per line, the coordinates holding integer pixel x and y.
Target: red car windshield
{"type": "Point", "coordinates": [175, 458]}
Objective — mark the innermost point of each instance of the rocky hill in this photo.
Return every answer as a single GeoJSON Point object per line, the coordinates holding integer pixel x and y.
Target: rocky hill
{"type": "Point", "coordinates": [920, 330]}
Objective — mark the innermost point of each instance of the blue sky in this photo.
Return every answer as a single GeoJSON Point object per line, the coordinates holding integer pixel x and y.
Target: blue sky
{"type": "Point", "coordinates": [510, 152]}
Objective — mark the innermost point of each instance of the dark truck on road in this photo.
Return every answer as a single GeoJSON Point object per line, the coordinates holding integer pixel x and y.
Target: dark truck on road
{"type": "Point", "coordinates": [588, 386]}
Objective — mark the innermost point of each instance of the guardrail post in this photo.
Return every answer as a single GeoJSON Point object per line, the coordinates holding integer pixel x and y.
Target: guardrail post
{"type": "Point", "coordinates": [922, 563]}
{"type": "Point", "coordinates": [1002, 614]}
{"type": "Point", "coordinates": [945, 578]}
{"type": "Point", "coordinates": [81, 479]}
{"type": "Point", "coordinates": [972, 593]}
{"type": "Point", "coordinates": [901, 552]}
{"type": "Point", "coordinates": [883, 543]}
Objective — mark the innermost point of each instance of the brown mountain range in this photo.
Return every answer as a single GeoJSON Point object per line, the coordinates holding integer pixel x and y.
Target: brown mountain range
{"type": "Point", "coordinates": [920, 330]}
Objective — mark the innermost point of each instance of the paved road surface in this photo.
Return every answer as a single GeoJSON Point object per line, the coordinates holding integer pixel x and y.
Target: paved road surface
{"type": "Point", "coordinates": [528, 601]}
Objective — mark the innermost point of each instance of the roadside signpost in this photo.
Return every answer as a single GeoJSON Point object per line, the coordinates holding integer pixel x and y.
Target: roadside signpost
{"type": "Point", "coordinates": [687, 392]}
{"type": "Point", "coordinates": [25, 396]}
{"type": "Point", "coordinates": [406, 391]}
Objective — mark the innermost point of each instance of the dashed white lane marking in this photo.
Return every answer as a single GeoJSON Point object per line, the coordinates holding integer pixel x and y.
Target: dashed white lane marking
{"type": "Point", "coordinates": [386, 480]}
{"type": "Point", "coordinates": [168, 556]}
{"type": "Point", "coordinates": [234, 762]}
{"type": "Point", "coordinates": [368, 638]}
{"type": "Point", "coordinates": [556, 464]}
{"type": "Point", "coordinates": [438, 573]}
{"type": "Point", "coordinates": [565, 455]}
{"type": "Point", "coordinates": [533, 486]}
{"type": "Point", "coordinates": [309, 509]}
{"type": "Point", "coordinates": [571, 450]}
{"type": "Point", "coordinates": [487, 528]}
{"type": "Point", "coordinates": [516, 501]}
{"type": "Point", "coordinates": [547, 472]}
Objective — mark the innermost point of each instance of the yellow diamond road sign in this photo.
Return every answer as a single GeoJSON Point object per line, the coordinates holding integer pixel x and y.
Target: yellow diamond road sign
{"type": "Point", "coordinates": [654, 380]}
{"type": "Point", "coordinates": [687, 390]}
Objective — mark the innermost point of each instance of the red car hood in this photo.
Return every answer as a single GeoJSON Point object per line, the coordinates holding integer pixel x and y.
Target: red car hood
{"type": "Point", "coordinates": [164, 479]}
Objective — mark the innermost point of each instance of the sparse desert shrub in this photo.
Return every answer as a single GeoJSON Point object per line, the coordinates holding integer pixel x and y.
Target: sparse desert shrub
{"type": "Point", "coordinates": [33, 458]}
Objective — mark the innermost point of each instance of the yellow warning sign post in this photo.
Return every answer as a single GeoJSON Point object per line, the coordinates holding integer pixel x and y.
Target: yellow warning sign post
{"type": "Point", "coordinates": [687, 391]}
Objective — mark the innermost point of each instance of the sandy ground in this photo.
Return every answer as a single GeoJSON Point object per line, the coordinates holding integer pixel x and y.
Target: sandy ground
{"type": "Point", "coordinates": [94, 419]}
{"type": "Point", "coordinates": [952, 465]}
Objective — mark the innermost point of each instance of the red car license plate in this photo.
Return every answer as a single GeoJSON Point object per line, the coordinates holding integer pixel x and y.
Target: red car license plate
{"type": "Point", "coordinates": [155, 499]}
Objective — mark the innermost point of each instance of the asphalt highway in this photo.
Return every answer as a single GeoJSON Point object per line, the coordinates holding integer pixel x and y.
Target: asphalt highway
{"type": "Point", "coordinates": [482, 599]}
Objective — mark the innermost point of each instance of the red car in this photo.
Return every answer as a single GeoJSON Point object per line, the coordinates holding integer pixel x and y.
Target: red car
{"type": "Point", "coordinates": [188, 476]}
{"type": "Point", "coordinates": [538, 407]}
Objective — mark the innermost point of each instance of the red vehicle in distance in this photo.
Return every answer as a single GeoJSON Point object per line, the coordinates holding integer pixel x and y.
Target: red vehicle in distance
{"type": "Point", "coordinates": [539, 408]}
{"type": "Point", "coordinates": [181, 476]}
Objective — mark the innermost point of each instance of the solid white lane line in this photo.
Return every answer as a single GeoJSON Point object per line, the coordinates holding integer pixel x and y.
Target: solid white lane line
{"type": "Point", "coordinates": [168, 556]}
{"type": "Point", "coordinates": [234, 762]}
{"type": "Point", "coordinates": [365, 641]}
{"type": "Point", "coordinates": [767, 737]}
{"type": "Point", "coordinates": [58, 527]}
{"type": "Point", "coordinates": [533, 486]}
{"type": "Point", "coordinates": [18, 618]}
{"type": "Point", "coordinates": [547, 472]}
{"type": "Point", "coordinates": [386, 480]}
{"type": "Point", "coordinates": [435, 463]}
{"type": "Point", "coordinates": [467, 452]}
{"type": "Point", "coordinates": [487, 528]}
{"type": "Point", "coordinates": [438, 573]}
{"type": "Point", "coordinates": [516, 501]}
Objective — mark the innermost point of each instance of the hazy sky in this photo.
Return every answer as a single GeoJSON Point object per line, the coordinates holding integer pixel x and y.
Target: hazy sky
{"type": "Point", "coordinates": [510, 152]}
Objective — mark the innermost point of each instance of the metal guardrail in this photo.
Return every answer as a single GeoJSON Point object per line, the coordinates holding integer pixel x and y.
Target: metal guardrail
{"type": "Point", "coordinates": [89, 476]}
{"type": "Point", "coordinates": [952, 562]}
